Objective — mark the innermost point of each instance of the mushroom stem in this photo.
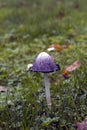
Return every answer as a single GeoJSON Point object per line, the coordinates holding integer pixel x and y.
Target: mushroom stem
{"type": "Point", "coordinates": [47, 90]}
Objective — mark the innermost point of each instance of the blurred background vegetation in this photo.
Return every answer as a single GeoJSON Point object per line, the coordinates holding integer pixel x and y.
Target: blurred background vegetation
{"type": "Point", "coordinates": [28, 27]}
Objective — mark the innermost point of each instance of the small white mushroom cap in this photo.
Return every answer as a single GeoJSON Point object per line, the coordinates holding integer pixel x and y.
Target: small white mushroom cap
{"type": "Point", "coordinates": [51, 49]}
{"type": "Point", "coordinates": [29, 66]}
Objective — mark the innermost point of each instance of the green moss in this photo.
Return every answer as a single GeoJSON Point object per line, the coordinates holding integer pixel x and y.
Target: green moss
{"type": "Point", "coordinates": [26, 29]}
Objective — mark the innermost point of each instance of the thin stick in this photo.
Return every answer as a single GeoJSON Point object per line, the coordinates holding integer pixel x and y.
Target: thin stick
{"type": "Point", "coordinates": [47, 90]}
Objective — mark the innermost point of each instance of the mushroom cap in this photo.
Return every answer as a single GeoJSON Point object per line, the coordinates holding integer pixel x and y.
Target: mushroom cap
{"type": "Point", "coordinates": [44, 63]}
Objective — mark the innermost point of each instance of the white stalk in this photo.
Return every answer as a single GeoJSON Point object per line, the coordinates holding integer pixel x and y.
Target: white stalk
{"type": "Point", "coordinates": [47, 90]}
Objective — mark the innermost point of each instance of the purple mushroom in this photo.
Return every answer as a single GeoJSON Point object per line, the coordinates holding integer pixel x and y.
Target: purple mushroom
{"type": "Point", "coordinates": [44, 63]}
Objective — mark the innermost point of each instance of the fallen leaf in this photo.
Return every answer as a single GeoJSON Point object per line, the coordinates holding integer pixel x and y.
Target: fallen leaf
{"type": "Point", "coordinates": [66, 74]}
{"type": "Point", "coordinates": [70, 68]}
{"type": "Point", "coordinates": [73, 66]}
{"type": "Point", "coordinates": [55, 47]}
{"type": "Point", "coordinates": [58, 47]}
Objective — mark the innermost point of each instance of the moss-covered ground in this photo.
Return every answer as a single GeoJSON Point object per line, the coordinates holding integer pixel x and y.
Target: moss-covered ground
{"type": "Point", "coordinates": [26, 29]}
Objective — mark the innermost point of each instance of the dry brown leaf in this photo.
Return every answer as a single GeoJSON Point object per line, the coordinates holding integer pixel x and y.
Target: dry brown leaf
{"type": "Point", "coordinates": [55, 47]}
{"type": "Point", "coordinates": [73, 66]}
{"type": "Point", "coordinates": [70, 68]}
